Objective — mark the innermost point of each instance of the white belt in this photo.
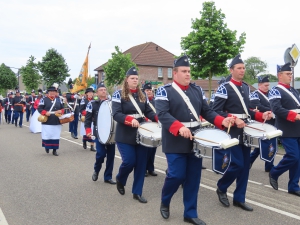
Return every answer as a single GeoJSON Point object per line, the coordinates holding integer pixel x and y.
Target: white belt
{"type": "Point", "coordinates": [191, 124]}
{"type": "Point", "coordinates": [296, 110]}
{"type": "Point", "coordinates": [240, 116]}
{"type": "Point", "coordinates": [136, 116]}
{"type": "Point", "coordinates": [72, 103]}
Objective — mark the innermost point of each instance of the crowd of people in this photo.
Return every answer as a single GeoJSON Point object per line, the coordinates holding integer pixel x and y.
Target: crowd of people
{"type": "Point", "coordinates": [178, 108]}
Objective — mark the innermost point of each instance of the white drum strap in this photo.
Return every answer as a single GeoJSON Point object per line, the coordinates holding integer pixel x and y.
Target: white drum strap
{"type": "Point", "coordinates": [152, 107]}
{"type": "Point", "coordinates": [186, 99]}
{"type": "Point", "coordinates": [136, 106]}
{"type": "Point", "coordinates": [293, 96]}
{"type": "Point", "coordinates": [263, 95]}
{"type": "Point", "coordinates": [52, 105]}
{"type": "Point", "coordinates": [240, 97]}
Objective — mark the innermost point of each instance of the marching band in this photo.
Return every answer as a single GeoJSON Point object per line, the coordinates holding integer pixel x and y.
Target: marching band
{"type": "Point", "coordinates": [137, 122]}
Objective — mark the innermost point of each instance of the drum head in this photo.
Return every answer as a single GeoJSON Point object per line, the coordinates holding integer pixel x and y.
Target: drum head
{"type": "Point", "coordinates": [212, 135]}
{"type": "Point", "coordinates": [104, 122]}
{"type": "Point", "coordinates": [156, 130]}
{"type": "Point", "coordinates": [256, 133]}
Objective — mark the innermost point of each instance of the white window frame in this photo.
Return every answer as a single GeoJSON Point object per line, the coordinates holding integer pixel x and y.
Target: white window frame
{"type": "Point", "coordinates": [160, 72]}
{"type": "Point", "coordinates": [170, 75]}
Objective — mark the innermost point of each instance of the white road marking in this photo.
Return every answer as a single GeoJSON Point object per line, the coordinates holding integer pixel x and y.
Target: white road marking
{"type": "Point", "coordinates": [279, 189]}
{"type": "Point", "coordinates": [3, 221]}
{"type": "Point", "coordinates": [254, 182]}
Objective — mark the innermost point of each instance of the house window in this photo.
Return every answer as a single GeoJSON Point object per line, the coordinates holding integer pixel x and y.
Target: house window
{"type": "Point", "coordinates": [170, 73]}
{"type": "Point", "coordinates": [160, 72]}
{"type": "Point", "coordinates": [103, 76]}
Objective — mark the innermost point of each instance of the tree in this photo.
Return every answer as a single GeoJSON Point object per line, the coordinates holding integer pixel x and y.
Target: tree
{"type": "Point", "coordinates": [30, 74]}
{"type": "Point", "coordinates": [254, 66]}
{"type": "Point", "coordinates": [116, 67]}
{"type": "Point", "coordinates": [297, 78]}
{"type": "Point", "coordinates": [8, 79]}
{"type": "Point", "coordinates": [53, 67]}
{"type": "Point", "coordinates": [211, 43]}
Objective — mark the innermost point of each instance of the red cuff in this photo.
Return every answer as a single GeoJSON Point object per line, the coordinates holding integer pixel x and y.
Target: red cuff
{"type": "Point", "coordinates": [62, 111]}
{"type": "Point", "coordinates": [44, 112]}
{"type": "Point", "coordinates": [146, 119]}
{"type": "Point", "coordinates": [218, 122]}
{"type": "Point", "coordinates": [291, 116]}
{"type": "Point", "coordinates": [83, 113]}
{"type": "Point", "coordinates": [156, 118]}
{"type": "Point", "coordinates": [128, 120]}
{"type": "Point", "coordinates": [88, 130]}
{"type": "Point", "coordinates": [72, 96]}
{"type": "Point", "coordinates": [259, 116]}
{"type": "Point", "coordinates": [201, 118]}
{"type": "Point", "coordinates": [174, 128]}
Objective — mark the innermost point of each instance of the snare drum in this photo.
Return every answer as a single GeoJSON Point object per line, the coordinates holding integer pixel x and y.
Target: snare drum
{"type": "Point", "coordinates": [106, 126]}
{"type": "Point", "coordinates": [252, 137]}
{"type": "Point", "coordinates": [148, 138]}
{"type": "Point", "coordinates": [203, 148]}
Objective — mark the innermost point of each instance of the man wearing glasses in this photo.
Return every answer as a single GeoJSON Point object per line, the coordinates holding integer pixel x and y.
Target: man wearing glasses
{"type": "Point", "coordinates": [285, 104]}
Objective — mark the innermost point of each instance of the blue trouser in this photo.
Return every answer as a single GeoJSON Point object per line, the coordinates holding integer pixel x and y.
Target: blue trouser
{"type": "Point", "coordinates": [183, 168]}
{"type": "Point", "coordinates": [239, 170]}
{"type": "Point", "coordinates": [16, 116]}
{"type": "Point", "coordinates": [28, 112]}
{"type": "Point", "coordinates": [102, 152]}
{"type": "Point", "coordinates": [32, 110]}
{"type": "Point", "coordinates": [133, 157]}
{"type": "Point", "coordinates": [290, 162]}
{"type": "Point", "coordinates": [73, 126]}
{"type": "Point", "coordinates": [7, 114]}
{"type": "Point", "coordinates": [255, 153]}
{"type": "Point", "coordinates": [150, 159]}
{"type": "Point", "coordinates": [12, 116]}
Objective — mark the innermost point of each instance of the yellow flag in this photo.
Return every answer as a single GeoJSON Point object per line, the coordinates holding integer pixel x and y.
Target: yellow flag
{"type": "Point", "coordinates": [81, 80]}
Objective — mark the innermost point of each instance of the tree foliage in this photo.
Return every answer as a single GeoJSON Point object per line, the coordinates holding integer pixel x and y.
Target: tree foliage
{"type": "Point", "coordinates": [254, 66]}
{"type": "Point", "coordinates": [30, 75]}
{"type": "Point", "coordinates": [53, 67]}
{"type": "Point", "coordinates": [211, 43]}
{"type": "Point", "coordinates": [116, 67]}
{"type": "Point", "coordinates": [8, 79]}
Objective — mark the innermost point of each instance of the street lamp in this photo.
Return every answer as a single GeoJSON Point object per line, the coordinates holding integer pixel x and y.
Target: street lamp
{"type": "Point", "coordinates": [96, 78]}
{"type": "Point", "coordinates": [17, 74]}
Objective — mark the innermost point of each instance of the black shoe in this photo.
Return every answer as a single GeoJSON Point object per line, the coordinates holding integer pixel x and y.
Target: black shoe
{"type": "Point", "coordinates": [223, 198]}
{"type": "Point", "coordinates": [16, 125]}
{"type": "Point", "coordinates": [152, 173]}
{"type": "Point", "coordinates": [267, 170]}
{"type": "Point", "coordinates": [75, 137]}
{"type": "Point", "coordinates": [20, 126]}
{"type": "Point", "coordinates": [54, 152]}
{"type": "Point", "coordinates": [164, 211]}
{"type": "Point", "coordinates": [95, 176]}
{"type": "Point", "coordinates": [273, 182]}
{"type": "Point", "coordinates": [92, 148]}
{"type": "Point", "coordinates": [196, 221]}
{"type": "Point", "coordinates": [72, 135]}
{"type": "Point", "coordinates": [110, 181]}
{"type": "Point", "coordinates": [204, 168]}
{"type": "Point", "coordinates": [166, 171]}
{"type": "Point", "coordinates": [140, 198]}
{"type": "Point", "coordinates": [243, 205]}
{"type": "Point", "coordinates": [295, 193]}
{"type": "Point", "coordinates": [47, 150]}
{"type": "Point", "coordinates": [84, 145]}
{"type": "Point", "coordinates": [146, 174]}
{"type": "Point", "coordinates": [120, 187]}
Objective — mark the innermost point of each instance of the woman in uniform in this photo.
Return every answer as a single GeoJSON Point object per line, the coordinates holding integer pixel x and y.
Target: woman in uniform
{"type": "Point", "coordinates": [134, 155]}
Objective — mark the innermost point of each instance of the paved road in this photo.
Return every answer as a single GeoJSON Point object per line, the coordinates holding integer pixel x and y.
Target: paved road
{"type": "Point", "coordinates": [40, 189]}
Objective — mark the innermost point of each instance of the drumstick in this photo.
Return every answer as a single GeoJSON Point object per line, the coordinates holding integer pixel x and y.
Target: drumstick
{"type": "Point", "coordinates": [229, 127]}
{"type": "Point", "coordinates": [203, 139]}
{"type": "Point", "coordinates": [264, 121]}
{"type": "Point", "coordinates": [255, 128]}
{"type": "Point", "coordinates": [146, 129]}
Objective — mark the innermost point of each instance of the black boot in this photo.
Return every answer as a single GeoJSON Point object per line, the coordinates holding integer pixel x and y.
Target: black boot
{"type": "Point", "coordinates": [92, 148]}
{"type": "Point", "coordinates": [54, 152]}
{"type": "Point", "coordinates": [47, 150]}
{"type": "Point", "coordinates": [16, 124]}
{"type": "Point", "coordinates": [84, 144]}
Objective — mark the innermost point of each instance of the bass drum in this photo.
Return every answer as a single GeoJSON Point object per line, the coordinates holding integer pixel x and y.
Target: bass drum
{"type": "Point", "coordinates": [106, 126]}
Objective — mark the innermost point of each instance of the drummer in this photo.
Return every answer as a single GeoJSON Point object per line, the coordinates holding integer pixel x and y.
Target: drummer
{"type": "Point", "coordinates": [151, 152]}
{"type": "Point", "coordinates": [285, 104]}
{"type": "Point", "coordinates": [259, 100]}
{"type": "Point", "coordinates": [125, 113]}
{"type": "Point", "coordinates": [103, 150]}
{"type": "Point", "coordinates": [89, 93]}
{"type": "Point", "coordinates": [178, 123]}
{"type": "Point", "coordinates": [228, 103]}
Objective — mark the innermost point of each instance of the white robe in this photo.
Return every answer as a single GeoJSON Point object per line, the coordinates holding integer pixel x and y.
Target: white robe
{"type": "Point", "coordinates": [35, 126]}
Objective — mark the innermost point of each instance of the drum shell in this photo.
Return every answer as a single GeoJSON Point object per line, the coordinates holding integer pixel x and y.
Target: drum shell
{"type": "Point", "coordinates": [42, 118]}
{"type": "Point", "coordinates": [147, 141]}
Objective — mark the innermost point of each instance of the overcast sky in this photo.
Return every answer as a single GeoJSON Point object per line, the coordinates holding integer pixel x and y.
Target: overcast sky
{"type": "Point", "coordinates": [31, 27]}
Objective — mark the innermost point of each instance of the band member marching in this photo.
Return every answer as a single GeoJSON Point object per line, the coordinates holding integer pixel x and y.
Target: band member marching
{"type": "Point", "coordinates": [73, 101]}
{"type": "Point", "coordinates": [103, 150]}
{"type": "Point", "coordinates": [51, 107]}
{"type": "Point", "coordinates": [8, 108]}
{"type": "Point", "coordinates": [285, 104]}
{"type": "Point", "coordinates": [19, 106]}
{"type": "Point", "coordinates": [259, 100]}
{"type": "Point", "coordinates": [232, 99]}
{"type": "Point", "coordinates": [32, 99]}
{"type": "Point", "coordinates": [89, 92]}
{"type": "Point", "coordinates": [126, 104]}
{"type": "Point", "coordinates": [151, 151]}
{"type": "Point", "coordinates": [178, 122]}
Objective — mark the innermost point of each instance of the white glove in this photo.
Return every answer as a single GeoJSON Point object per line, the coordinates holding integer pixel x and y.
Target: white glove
{"type": "Point", "coordinates": [75, 96]}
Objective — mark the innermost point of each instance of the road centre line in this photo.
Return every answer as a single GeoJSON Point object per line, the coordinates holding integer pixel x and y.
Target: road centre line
{"type": "Point", "coordinates": [3, 220]}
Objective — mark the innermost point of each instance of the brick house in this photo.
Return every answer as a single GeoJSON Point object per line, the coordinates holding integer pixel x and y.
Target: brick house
{"type": "Point", "coordinates": [154, 63]}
